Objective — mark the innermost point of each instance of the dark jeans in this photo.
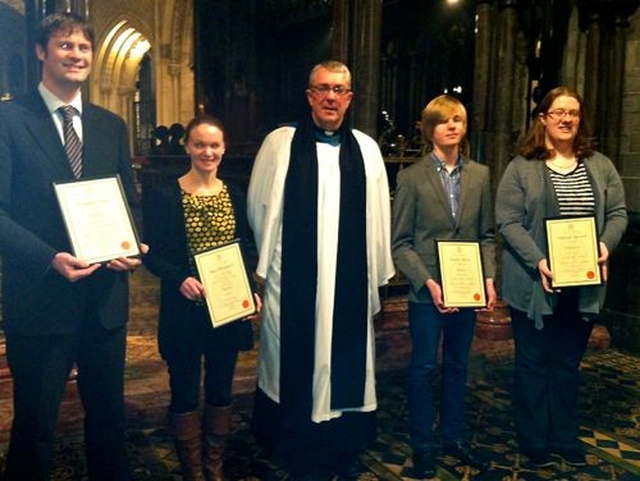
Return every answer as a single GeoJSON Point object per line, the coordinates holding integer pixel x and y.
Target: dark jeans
{"type": "Point", "coordinates": [184, 358]}
{"type": "Point", "coordinates": [40, 367]}
{"type": "Point", "coordinates": [546, 378]}
{"type": "Point", "coordinates": [427, 326]}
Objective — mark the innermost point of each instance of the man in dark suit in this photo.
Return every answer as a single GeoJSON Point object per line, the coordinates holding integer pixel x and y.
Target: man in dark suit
{"type": "Point", "coordinates": [58, 309]}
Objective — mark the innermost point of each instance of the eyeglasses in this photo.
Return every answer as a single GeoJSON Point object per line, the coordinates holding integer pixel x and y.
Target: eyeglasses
{"type": "Point", "coordinates": [560, 114]}
{"type": "Point", "coordinates": [323, 90]}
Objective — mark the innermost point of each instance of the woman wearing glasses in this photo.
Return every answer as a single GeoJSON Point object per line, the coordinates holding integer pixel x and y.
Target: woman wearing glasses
{"type": "Point", "coordinates": [557, 173]}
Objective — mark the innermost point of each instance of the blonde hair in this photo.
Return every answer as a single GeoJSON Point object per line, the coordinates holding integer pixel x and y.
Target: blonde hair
{"type": "Point", "coordinates": [438, 111]}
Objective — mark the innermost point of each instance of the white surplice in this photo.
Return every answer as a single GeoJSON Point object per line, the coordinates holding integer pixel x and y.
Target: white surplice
{"type": "Point", "coordinates": [265, 207]}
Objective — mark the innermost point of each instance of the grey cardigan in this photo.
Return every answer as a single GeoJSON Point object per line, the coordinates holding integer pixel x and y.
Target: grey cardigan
{"type": "Point", "coordinates": [524, 199]}
{"type": "Point", "coordinates": [421, 214]}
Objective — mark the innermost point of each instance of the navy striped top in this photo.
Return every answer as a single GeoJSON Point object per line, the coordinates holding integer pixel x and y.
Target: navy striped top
{"type": "Point", "coordinates": [574, 191]}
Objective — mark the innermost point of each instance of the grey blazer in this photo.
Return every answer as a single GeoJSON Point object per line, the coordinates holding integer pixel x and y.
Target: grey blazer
{"type": "Point", "coordinates": [421, 215]}
{"type": "Point", "coordinates": [524, 199]}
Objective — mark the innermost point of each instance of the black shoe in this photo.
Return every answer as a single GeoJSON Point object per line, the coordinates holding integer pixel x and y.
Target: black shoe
{"type": "Point", "coordinates": [349, 471]}
{"type": "Point", "coordinates": [539, 458]}
{"type": "Point", "coordinates": [464, 453]}
{"type": "Point", "coordinates": [572, 456]}
{"type": "Point", "coordinates": [345, 465]}
{"type": "Point", "coordinates": [313, 476]}
{"type": "Point", "coordinates": [423, 464]}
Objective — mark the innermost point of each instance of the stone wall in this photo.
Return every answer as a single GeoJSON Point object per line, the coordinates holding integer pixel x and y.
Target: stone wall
{"type": "Point", "coordinates": [630, 136]}
{"type": "Point", "coordinates": [622, 312]}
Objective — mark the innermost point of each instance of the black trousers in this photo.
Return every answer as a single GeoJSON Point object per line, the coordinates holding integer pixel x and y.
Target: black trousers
{"type": "Point", "coordinates": [184, 354]}
{"type": "Point", "coordinates": [547, 375]}
{"type": "Point", "coordinates": [40, 366]}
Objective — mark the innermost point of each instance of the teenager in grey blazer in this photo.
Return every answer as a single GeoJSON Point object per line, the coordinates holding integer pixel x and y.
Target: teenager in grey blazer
{"type": "Point", "coordinates": [557, 173]}
{"type": "Point", "coordinates": [442, 196]}
{"type": "Point", "coordinates": [57, 309]}
{"type": "Point", "coordinates": [421, 214]}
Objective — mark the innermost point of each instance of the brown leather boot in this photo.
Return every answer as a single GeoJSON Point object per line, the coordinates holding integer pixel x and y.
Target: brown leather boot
{"type": "Point", "coordinates": [217, 425]}
{"type": "Point", "coordinates": [188, 439]}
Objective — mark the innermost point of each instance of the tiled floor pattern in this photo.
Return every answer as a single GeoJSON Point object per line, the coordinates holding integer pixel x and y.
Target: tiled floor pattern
{"type": "Point", "coordinates": [610, 405]}
{"type": "Point", "coordinates": [610, 432]}
{"type": "Point", "coordinates": [612, 440]}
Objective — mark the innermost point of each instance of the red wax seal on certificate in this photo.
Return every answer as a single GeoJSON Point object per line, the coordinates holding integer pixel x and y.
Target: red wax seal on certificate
{"type": "Point", "coordinates": [125, 245]}
{"type": "Point", "coordinates": [476, 297]}
{"type": "Point", "coordinates": [591, 275]}
{"type": "Point", "coordinates": [245, 303]}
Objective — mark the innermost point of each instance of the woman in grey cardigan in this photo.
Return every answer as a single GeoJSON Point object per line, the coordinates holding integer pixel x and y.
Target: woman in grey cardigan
{"type": "Point", "coordinates": [557, 173]}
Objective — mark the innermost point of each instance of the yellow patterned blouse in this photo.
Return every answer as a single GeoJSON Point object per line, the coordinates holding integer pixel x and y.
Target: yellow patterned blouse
{"type": "Point", "coordinates": [209, 220]}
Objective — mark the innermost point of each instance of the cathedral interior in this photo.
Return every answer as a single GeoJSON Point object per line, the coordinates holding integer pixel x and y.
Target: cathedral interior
{"type": "Point", "coordinates": [157, 63]}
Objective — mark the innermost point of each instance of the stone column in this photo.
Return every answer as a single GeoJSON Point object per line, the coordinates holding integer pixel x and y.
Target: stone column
{"type": "Point", "coordinates": [481, 76]}
{"type": "Point", "coordinates": [126, 97]}
{"type": "Point", "coordinates": [340, 31]}
{"type": "Point", "coordinates": [174, 70]}
{"type": "Point", "coordinates": [592, 54]}
{"type": "Point", "coordinates": [356, 41]}
{"type": "Point", "coordinates": [501, 90]}
{"type": "Point", "coordinates": [34, 11]}
{"type": "Point", "coordinates": [80, 7]}
{"type": "Point", "coordinates": [606, 25]}
{"type": "Point", "coordinates": [612, 126]}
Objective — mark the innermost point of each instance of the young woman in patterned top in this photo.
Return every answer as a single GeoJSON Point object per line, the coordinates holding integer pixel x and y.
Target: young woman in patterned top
{"type": "Point", "coordinates": [195, 213]}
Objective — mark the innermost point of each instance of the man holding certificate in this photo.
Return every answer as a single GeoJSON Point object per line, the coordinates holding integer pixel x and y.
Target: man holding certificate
{"type": "Point", "coordinates": [560, 208]}
{"type": "Point", "coordinates": [443, 197]}
{"type": "Point", "coordinates": [205, 299]}
{"type": "Point", "coordinates": [58, 309]}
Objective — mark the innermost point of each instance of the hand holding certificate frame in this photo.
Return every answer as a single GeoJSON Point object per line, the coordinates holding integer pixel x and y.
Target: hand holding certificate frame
{"type": "Point", "coordinates": [461, 273]}
{"type": "Point", "coordinates": [573, 251]}
{"type": "Point", "coordinates": [97, 219]}
{"type": "Point", "coordinates": [227, 288]}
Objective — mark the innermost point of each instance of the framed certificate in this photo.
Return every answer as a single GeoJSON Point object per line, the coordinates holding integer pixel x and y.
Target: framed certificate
{"type": "Point", "coordinates": [97, 218]}
{"type": "Point", "coordinates": [461, 273]}
{"type": "Point", "coordinates": [572, 243]}
{"type": "Point", "coordinates": [227, 289]}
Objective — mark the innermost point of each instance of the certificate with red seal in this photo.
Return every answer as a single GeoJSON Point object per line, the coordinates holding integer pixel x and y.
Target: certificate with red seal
{"type": "Point", "coordinates": [461, 273]}
{"type": "Point", "coordinates": [227, 288]}
{"type": "Point", "coordinates": [97, 218]}
{"type": "Point", "coordinates": [572, 244]}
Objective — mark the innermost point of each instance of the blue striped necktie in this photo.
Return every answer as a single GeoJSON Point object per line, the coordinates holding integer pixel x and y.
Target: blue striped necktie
{"type": "Point", "coordinates": [72, 144]}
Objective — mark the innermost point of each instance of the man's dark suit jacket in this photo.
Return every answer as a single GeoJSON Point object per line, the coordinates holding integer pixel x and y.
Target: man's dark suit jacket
{"type": "Point", "coordinates": [36, 299]}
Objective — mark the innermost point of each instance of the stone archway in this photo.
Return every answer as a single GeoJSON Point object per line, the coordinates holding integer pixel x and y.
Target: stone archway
{"type": "Point", "coordinates": [115, 72]}
{"type": "Point", "coordinates": [175, 89]}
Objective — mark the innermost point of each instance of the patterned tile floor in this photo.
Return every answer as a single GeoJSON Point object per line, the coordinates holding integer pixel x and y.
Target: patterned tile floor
{"type": "Point", "coordinates": [610, 409]}
{"type": "Point", "coordinates": [610, 432]}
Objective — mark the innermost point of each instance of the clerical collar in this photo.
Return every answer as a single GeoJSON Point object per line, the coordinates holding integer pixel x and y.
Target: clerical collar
{"type": "Point", "coordinates": [331, 137]}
